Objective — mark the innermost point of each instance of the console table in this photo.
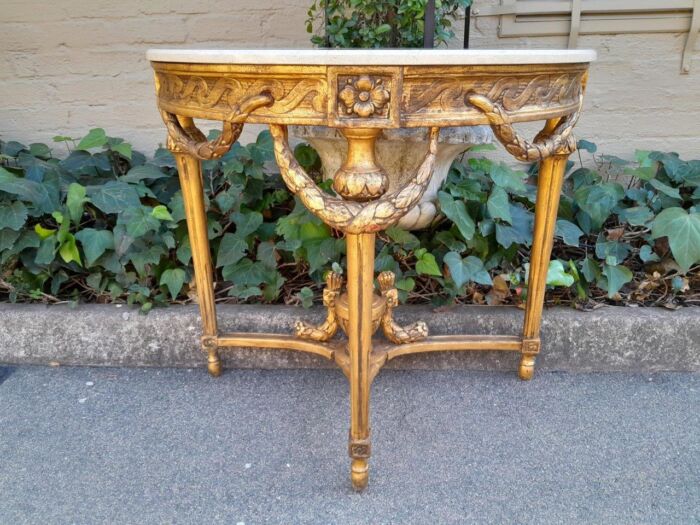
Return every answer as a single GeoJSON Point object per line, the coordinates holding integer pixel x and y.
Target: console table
{"type": "Point", "coordinates": [362, 92]}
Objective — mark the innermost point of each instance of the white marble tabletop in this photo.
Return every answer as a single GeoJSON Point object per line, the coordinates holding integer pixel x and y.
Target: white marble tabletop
{"type": "Point", "coordinates": [373, 57]}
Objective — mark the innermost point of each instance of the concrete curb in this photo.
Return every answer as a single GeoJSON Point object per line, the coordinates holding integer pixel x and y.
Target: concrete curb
{"type": "Point", "coordinates": [608, 339]}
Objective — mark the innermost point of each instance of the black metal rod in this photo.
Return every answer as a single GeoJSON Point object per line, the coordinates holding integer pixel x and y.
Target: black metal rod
{"type": "Point", "coordinates": [429, 25]}
{"type": "Point", "coordinates": [467, 18]}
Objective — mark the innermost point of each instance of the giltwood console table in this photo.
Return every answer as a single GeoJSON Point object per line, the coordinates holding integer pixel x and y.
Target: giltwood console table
{"type": "Point", "coordinates": [362, 92]}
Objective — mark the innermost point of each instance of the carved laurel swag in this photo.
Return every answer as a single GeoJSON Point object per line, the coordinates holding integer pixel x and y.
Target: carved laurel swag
{"type": "Point", "coordinates": [185, 137]}
{"type": "Point", "coordinates": [560, 141]}
{"type": "Point", "coordinates": [349, 216]}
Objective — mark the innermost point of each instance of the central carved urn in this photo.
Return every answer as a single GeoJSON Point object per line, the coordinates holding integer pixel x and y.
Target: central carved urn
{"type": "Point", "coordinates": [401, 150]}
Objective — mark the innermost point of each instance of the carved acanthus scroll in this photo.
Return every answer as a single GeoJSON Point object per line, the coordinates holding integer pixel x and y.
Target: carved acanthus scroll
{"type": "Point", "coordinates": [326, 330]}
{"type": "Point", "coordinates": [394, 332]}
{"type": "Point", "coordinates": [560, 141]}
{"type": "Point", "coordinates": [185, 137]}
{"type": "Point", "coordinates": [350, 216]}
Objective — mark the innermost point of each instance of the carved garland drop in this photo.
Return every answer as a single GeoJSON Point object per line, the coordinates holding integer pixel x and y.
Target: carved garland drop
{"type": "Point", "coordinates": [349, 216]}
{"type": "Point", "coordinates": [559, 142]}
{"type": "Point", "coordinates": [185, 137]}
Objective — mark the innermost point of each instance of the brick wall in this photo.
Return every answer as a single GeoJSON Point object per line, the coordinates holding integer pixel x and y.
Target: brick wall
{"type": "Point", "coordinates": [71, 65]}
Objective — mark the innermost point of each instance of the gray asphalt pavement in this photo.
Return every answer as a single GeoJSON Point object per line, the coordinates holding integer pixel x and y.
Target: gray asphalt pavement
{"type": "Point", "coordinates": [89, 445]}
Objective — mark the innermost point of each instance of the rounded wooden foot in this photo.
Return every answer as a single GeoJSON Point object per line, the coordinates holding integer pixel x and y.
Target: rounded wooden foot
{"type": "Point", "coordinates": [527, 367]}
{"type": "Point", "coordinates": [359, 474]}
{"type": "Point", "coordinates": [214, 364]}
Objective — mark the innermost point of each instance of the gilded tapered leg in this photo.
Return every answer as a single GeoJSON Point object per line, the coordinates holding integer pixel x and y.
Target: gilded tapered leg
{"type": "Point", "coordinates": [551, 175]}
{"type": "Point", "coordinates": [189, 169]}
{"type": "Point", "coordinates": [360, 286]}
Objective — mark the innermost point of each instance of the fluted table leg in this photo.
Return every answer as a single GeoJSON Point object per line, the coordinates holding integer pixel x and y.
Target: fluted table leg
{"type": "Point", "coordinates": [551, 176]}
{"type": "Point", "coordinates": [189, 169]}
{"type": "Point", "coordinates": [360, 286]}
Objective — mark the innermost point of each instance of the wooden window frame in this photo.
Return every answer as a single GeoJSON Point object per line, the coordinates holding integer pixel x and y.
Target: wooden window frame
{"type": "Point", "coordinates": [580, 17]}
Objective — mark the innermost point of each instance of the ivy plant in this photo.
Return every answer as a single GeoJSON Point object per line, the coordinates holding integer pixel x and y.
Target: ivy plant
{"type": "Point", "coordinates": [101, 223]}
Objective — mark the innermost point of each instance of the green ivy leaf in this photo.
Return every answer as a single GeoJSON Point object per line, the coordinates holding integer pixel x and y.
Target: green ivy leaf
{"type": "Point", "coordinates": [273, 284]}
{"type": "Point", "coordinates": [69, 250]}
{"type": "Point", "coordinates": [267, 254]}
{"type": "Point", "coordinates": [642, 172]}
{"type": "Point", "coordinates": [450, 242]}
{"type": "Point", "coordinates": [646, 254]}
{"type": "Point", "coordinates": [498, 205]}
{"type": "Point", "coordinates": [138, 221]}
{"type": "Point", "coordinates": [231, 250]}
{"type": "Point", "coordinates": [636, 215]}
{"type": "Point", "coordinates": [613, 252]}
{"type": "Point", "coordinates": [457, 213]}
{"type": "Point", "coordinates": [306, 296]}
{"type": "Point", "coordinates": [7, 240]}
{"type": "Point", "coordinates": [616, 276]}
{"type": "Point", "coordinates": [94, 139]}
{"type": "Point", "coordinates": [46, 252]}
{"type": "Point", "coordinates": [426, 264]}
{"type": "Point", "coordinates": [114, 196]}
{"type": "Point", "coordinates": [568, 231]}
{"type": "Point", "coordinates": [247, 223]}
{"type": "Point", "coordinates": [28, 190]}
{"type": "Point", "coordinates": [505, 177]}
{"type": "Point", "coordinates": [226, 200]}
{"type": "Point", "coordinates": [75, 201]}
{"type": "Point", "coordinates": [683, 232]}
{"type": "Point", "coordinates": [665, 189]}
{"type": "Point", "coordinates": [39, 150]}
{"type": "Point", "coordinates": [42, 232]}
{"type": "Point", "coordinates": [402, 237]}
{"type": "Point", "coordinates": [161, 213]}
{"type": "Point", "coordinates": [13, 216]}
{"type": "Point", "coordinates": [320, 252]}
{"type": "Point", "coordinates": [521, 230]}
{"type": "Point", "coordinates": [585, 145]}
{"type": "Point", "coordinates": [590, 270]}
{"type": "Point", "coordinates": [173, 279]}
{"type": "Point", "coordinates": [94, 243]}
{"type": "Point", "coordinates": [406, 284]}
{"type": "Point", "coordinates": [307, 156]}
{"type": "Point", "coordinates": [142, 258]}
{"type": "Point", "coordinates": [598, 201]}
{"type": "Point", "coordinates": [123, 148]}
{"type": "Point", "coordinates": [312, 230]}
{"type": "Point", "coordinates": [465, 270]}
{"type": "Point", "coordinates": [143, 172]}
{"type": "Point", "coordinates": [245, 273]}
{"type": "Point", "coordinates": [557, 275]}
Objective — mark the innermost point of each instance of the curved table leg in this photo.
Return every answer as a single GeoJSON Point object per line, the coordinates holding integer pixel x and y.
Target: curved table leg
{"type": "Point", "coordinates": [190, 172]}
{"type": "Point", "coordinates": [551, 176]}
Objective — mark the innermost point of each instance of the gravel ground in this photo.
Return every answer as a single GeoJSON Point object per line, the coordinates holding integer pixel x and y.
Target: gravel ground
{"type": "Point", "coordinates": [117, 445]}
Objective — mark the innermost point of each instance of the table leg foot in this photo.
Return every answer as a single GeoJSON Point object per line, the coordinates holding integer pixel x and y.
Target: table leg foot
{"type": "Point", "coordinates": [359, 474]}
{"type": "Point", "coordinates": [527, 367]}
{"type": "Point", "coordinates": [214, 363]}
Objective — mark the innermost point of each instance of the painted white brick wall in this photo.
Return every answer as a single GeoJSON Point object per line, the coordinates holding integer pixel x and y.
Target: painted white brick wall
{"type": "Point", "coordinates": [71, 65]}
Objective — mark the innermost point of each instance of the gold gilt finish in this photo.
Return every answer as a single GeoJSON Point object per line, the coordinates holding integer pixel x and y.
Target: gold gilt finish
{"type": "Point", "coordinates": [362, 101]}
